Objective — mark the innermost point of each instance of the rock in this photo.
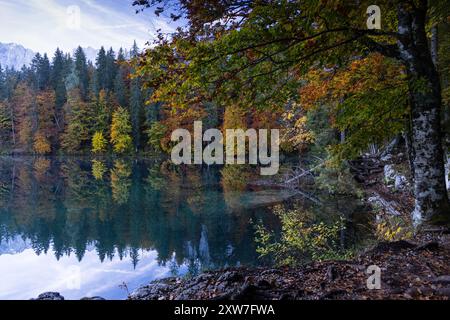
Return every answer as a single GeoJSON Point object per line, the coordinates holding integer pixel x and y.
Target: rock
{"type": "Point", "coordinates": [96, 298]}
{"type": "Point", "coordinates": [379, 202]}
{"type": "Point", "coordinates": [54, 296]}
{"type": "Point", "coordinates": [230, 276]}
{"type": "Point", "coordinates": [426, 290]}
{"type": "Point", "coordinates": [271, 271]}
{"type": "Point", "coordinates": [443, 292]}
{"type": "Point", "coordinates": [392, 176]}
{"type": "Point", "coordinates": [152, 291]}
{"type": "Point", "coordinates": [389, 172]}
{"type": "Point", "coordinates": [400, 182]}
{"type": "Point", "coordinates": [411, 293]}
{"type": "Point", "coordinates": [442, 279]}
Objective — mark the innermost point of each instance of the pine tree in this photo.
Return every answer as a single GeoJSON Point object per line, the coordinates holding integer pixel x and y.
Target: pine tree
{"type": "Point", "coordinates": [45, 72]}
{"type": "Point", "coordinates": [41, 68]}
{"type": "Point", "coordinates": [120, 88]}
{"type": "Point", "coordinates": [136, 102]}
{"type": "Point", "coordinates": [110, 72]}
{"type": "Point", "coordinates": [81, 69]}
{"type": "Point", "coordinates": [101, 74]}
{"type": "Point", "coordinates": [58, 79]}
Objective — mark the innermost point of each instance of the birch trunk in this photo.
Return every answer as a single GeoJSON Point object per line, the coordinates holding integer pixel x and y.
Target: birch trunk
{"type": "Point", "coordinates": [431, 199]}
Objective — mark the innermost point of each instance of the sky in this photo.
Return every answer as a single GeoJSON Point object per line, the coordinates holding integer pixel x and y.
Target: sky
{"type": "Point", "coordinates": [25, 275]}
{"type": "Point", "coordinates": [44, 25]}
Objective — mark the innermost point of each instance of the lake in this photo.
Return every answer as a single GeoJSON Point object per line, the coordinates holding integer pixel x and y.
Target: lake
{"type": "Point", "coordinates": [85, 227]}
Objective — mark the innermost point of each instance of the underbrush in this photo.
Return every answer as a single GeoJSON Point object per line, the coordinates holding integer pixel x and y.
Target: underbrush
{"type": "Point", "coordinates": [301, 239]}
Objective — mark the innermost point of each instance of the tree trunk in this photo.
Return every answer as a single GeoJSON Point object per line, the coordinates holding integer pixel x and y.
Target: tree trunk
{"type": "Point", "coordinates": [431, 199]}
{"type": "Point", "coordinates": [434, 45]}
{"type": "Point", "coordinates": [409, 146]}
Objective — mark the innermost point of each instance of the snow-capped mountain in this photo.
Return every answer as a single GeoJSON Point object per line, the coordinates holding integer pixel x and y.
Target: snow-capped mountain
{"type": "Point", "coordinates": [14, 55]}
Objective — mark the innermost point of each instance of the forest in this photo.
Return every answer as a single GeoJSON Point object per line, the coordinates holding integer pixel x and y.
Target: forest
{"type": "Point", "coordinates": [364, 121]}
{"type": "Point", "coordinates": [68, 105]}
{"type": "Point", "coordinates": [314, 68]}
{"type": "Point", "coordinates": [334, 89]}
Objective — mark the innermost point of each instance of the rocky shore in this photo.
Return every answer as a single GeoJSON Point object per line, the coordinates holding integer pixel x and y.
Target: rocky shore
{"type": "Point", "coordinates": [416, 269]}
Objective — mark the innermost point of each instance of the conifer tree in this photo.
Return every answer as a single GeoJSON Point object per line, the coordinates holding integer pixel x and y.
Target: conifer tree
{"type": "Point", "coordinates": [81, 69]}
{"type": "Point", "coordinates": [58, 79]}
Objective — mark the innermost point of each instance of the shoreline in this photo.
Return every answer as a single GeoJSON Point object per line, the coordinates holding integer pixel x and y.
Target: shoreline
{"type": "Point", "coordinates": [416, 269]}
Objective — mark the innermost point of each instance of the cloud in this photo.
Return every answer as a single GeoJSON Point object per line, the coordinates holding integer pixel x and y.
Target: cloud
{"type": "Point", "coordinates": [43, 25]}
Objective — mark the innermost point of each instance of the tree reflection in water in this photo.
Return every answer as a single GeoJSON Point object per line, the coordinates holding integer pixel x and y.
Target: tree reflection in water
{"type": "Point", "coordinates": [198, 217]}
{"type": "Point", "coordinates": [65, 206]}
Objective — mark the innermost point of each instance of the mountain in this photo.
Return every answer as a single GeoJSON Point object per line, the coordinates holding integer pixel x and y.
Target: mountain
{"type": "Point", "coordinates": [14, 55]}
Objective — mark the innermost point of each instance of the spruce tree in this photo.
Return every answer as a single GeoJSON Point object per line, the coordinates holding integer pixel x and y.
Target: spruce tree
{"type": "Point", "coordinates": [81, 70]}
{"type": "Point", "coordinates": [136, 102]}
{"type": "Point", "coordinates": [101, 69]}
{"type": "Point", "coordinates": [58, 79]}
{"type": "Point", "coordinates": [120, 88]}
{"type": "Point", "coordinates": [110, 72]}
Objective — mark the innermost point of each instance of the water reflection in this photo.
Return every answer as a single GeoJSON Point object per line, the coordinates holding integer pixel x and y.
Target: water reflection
{"type": "Point", "coordinates": [122, 210]}
{"type": "Point", "coordinates": [124, 220]}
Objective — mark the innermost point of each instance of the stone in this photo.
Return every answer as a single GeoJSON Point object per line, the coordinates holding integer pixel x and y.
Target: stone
{"type": "Point", "coordinates": [400, 182]}
{"type": "Point", "coordinates": [442, 279]}
{"type": "Point", "coordinates": [389, 172]}
{"type": "Point", "coordinates": [54, 296]}
{"type": "Point", "coordinates": [96, 298]}
{"type": "Point", "coordinates": [444, 292]}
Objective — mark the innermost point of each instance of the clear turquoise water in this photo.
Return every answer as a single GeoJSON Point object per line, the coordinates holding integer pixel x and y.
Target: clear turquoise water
{"type": "Point", "coordinates": [63, 229]}
{"type": "Point", "coordinates": [87, 228]}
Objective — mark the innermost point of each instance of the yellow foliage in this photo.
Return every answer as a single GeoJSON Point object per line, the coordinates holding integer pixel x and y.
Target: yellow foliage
{"type": "Point", "coordinates": [41, 145]}
{"type": "Point", "coordinates": [98, 169]}
{"type": "Point", "coordinates": [295, 136]}
{"type": "Point", "coordinates": [41, 166]}
{"type": "Point", "coordinates": [99, 143]}
{"type": "Point", "coordinates": [120, 182]}
{"type": "Point", "coordinates": [120, 131]}
{"type": "Point", "coordinates": [394, 229]}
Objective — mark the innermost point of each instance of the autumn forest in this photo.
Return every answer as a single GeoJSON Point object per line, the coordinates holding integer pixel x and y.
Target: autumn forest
{"type": "Point", "coordinates": [360, 94]}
